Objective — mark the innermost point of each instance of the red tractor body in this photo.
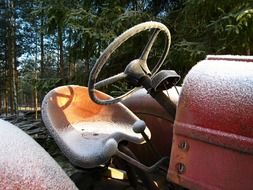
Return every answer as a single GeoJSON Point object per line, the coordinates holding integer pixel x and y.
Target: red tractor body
{"type": "Point", "coordinates": [213, 132]}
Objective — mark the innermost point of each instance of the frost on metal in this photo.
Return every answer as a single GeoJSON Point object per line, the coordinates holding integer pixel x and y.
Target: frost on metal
{"type": "Point", "coordinates": [24, 164]}
{"type": "Point", "coordinates": [218, 94]}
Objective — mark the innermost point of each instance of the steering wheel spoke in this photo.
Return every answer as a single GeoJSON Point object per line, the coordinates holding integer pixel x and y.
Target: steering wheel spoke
{"type": "Point", "coordinates": [145, 53]}
{"type": "Point", "coordinates": [110, 80]}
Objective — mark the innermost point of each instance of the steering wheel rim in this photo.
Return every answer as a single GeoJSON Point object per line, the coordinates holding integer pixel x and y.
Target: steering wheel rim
{"type": "Point", "coordinates": [117, 42]}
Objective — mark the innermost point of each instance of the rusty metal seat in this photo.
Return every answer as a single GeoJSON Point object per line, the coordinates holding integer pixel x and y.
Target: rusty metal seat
{"type": "Point", "coordinates": [87, 133]}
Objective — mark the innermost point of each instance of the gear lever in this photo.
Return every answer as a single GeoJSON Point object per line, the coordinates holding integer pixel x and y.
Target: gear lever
{"type": "Point", "coordinates": [139, 127]}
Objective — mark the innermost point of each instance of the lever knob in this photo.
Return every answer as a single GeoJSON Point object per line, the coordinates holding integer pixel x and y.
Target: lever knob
{"type": "Point", "coordinates": [139, 126]}
{"type": "Point", "coordinates": [110, 148]}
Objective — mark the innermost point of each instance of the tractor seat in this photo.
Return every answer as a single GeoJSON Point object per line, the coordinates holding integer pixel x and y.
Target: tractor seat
{"type": "Point", "coordinates": [87, 133]}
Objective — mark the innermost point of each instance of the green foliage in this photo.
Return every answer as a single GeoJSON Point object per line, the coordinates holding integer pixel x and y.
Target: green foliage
{"type": "Point", "coordinates": [198, 27]}
{"type": "Point", "coordinates": [202, 27]}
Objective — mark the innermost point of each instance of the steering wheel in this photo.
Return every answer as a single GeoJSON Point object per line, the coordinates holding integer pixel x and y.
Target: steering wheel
{"type": "Point", "coordinates": [137, 67]}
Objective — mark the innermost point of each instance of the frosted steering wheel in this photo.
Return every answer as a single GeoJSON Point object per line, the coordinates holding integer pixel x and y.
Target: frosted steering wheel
{"type": "Point", "coordinates": [137, 67]}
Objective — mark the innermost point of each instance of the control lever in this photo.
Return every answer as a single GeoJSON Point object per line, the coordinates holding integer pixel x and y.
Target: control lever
{"type": "Point", "coordinates": [111, 149]}
{"type": "Point", "coordinates": [139, 127]}
{"type": "Point", "coordinates": [133, 162]}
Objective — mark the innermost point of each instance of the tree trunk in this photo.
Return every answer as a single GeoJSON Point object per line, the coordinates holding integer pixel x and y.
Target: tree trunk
{"type": "Point", "coordinates": [36, 102]}
{"type": "Point", "coordinates": [36, 81]}
{"type": "Point", "coordinates": [11, 48]}
{"type": "Point", "coordinates": [60, 43]}
{"type": "Point", "coordinates": [6, 102]}
{"type": "Point", "coordinates": [6, 88]}
{"type": "Point", "coordinates": [70, 60]}
{"type": "Point", "coordinates": [42, 66]}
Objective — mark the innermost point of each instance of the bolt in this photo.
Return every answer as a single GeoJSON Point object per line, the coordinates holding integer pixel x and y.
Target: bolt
{"type": "Point", "coordinates": [183, 145]}
{"type": "Point", "coordinates": [180, 167]}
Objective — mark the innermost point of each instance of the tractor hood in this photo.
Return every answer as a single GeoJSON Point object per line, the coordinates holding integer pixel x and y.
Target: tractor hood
{"type": "Point", "coordinates": [213, 131]}
{"type": "Point", "coordinates": [217, 100]}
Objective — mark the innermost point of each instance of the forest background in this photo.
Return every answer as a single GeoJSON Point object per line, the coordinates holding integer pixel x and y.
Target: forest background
{"type": "Point", "coordinates": [47, 43]}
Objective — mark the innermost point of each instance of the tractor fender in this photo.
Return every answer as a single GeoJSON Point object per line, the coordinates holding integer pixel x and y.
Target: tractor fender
{"type": "Point", "coordinates": [24, 164]}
